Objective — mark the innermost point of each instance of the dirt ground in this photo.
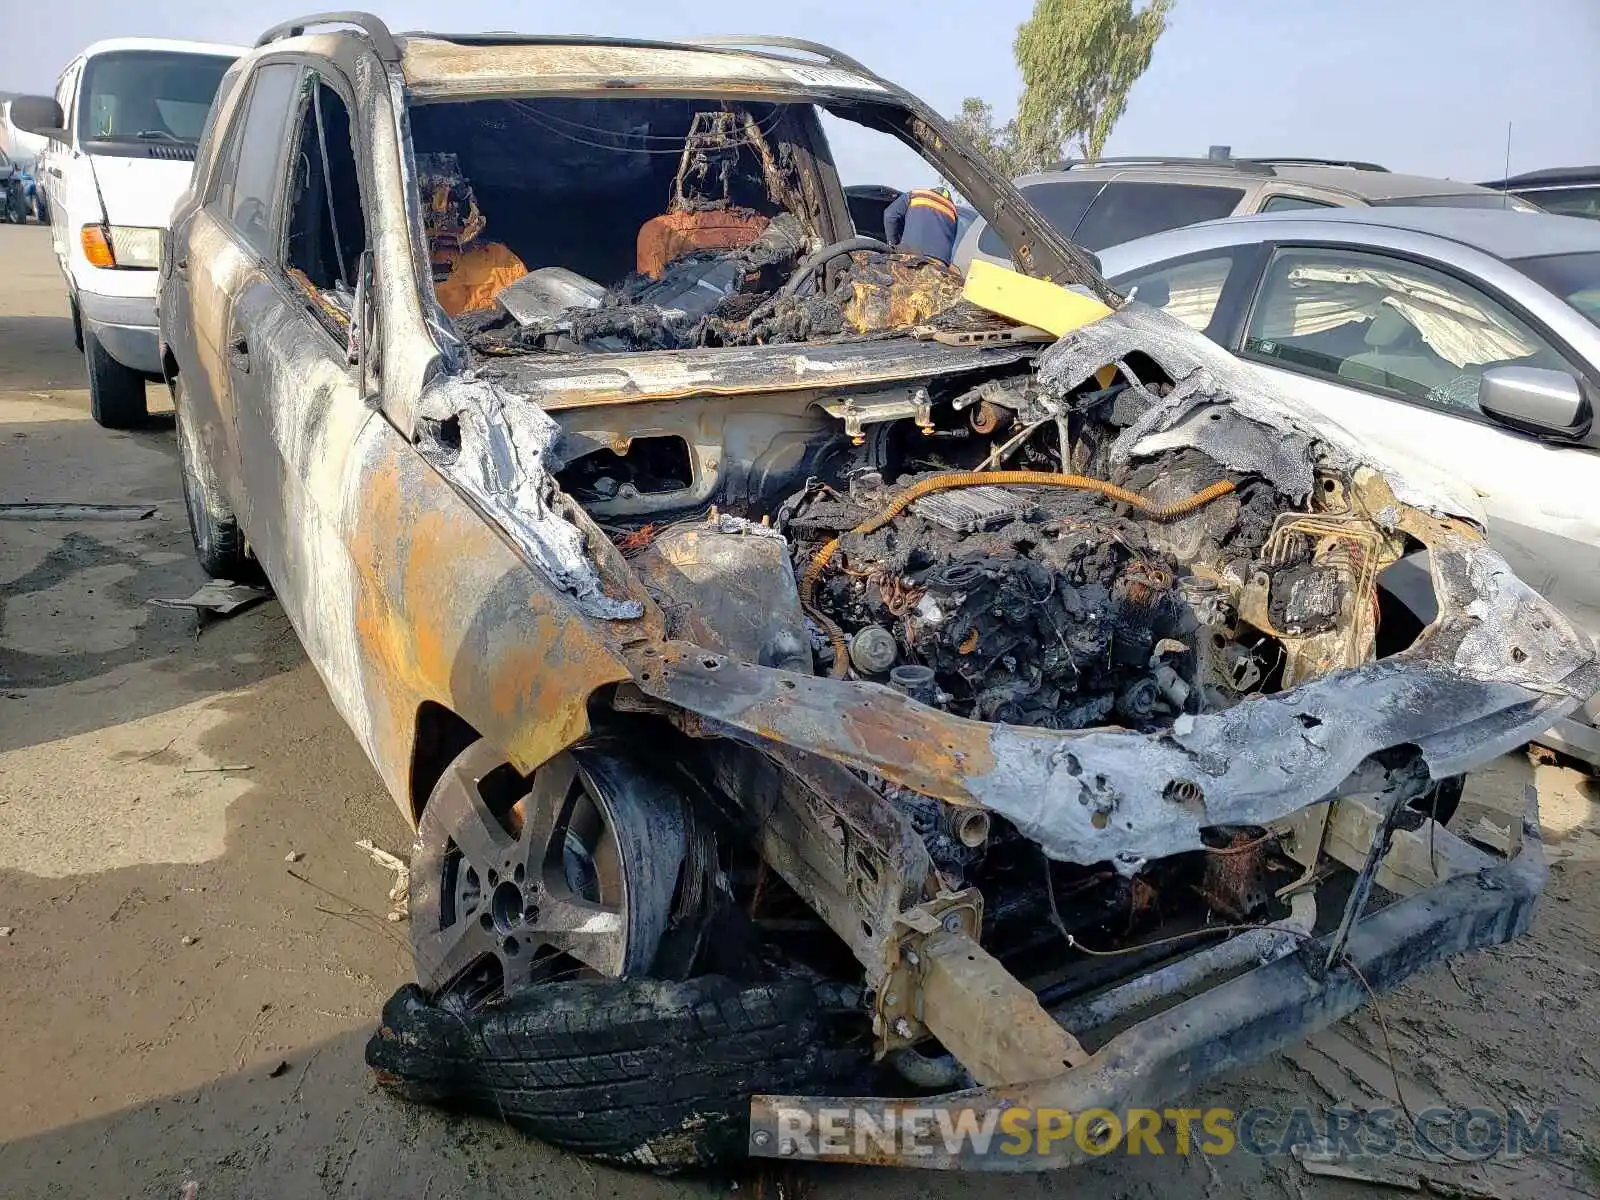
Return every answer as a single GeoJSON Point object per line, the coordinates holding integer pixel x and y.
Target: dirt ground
{"type": "Point", "coordinates": [180, 1003]}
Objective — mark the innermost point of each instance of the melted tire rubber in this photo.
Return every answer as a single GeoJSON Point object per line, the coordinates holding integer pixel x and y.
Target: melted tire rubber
{"type": "Point", "coordinates": [636, 1072]}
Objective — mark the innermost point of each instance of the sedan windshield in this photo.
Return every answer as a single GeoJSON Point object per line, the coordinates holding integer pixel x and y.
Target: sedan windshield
{"type": "Point", "coordinates": [1573, 277]}
{"type": "Point", "coordinates": [149, 95]}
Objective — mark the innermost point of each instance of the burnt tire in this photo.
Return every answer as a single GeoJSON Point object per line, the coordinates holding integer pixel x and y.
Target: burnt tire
{"type": "Point", "coordinates": [218, 541]}
{"type": "Point", "coordinates": [636, 1072]}
{"type": "Point", "coordinates": [116, 392]}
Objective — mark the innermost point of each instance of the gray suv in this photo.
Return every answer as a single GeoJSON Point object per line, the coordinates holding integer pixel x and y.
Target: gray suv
{"type": "Point", "coordinates": [1107, 201]}
{"type": "Point", "coordinates": [1566, 191]}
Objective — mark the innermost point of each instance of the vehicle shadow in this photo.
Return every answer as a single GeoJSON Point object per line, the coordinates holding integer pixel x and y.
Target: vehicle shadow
{"type": "Point", "coordinates": [81, 646]}
{"type": "Point", "coordinates": [39, 354]}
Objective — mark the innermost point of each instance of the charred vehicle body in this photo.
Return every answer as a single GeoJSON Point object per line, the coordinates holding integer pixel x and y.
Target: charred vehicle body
{"type": "Point", "coordinates": [804, 680]}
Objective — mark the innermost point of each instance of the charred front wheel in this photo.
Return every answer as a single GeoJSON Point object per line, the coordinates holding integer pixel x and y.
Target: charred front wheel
{"type": "Point", "coordinates": [545, 911]}
{"type": "Point", "coordinates": [567, 873]}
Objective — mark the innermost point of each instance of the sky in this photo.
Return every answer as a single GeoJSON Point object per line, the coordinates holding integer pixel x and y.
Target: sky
{"type": "Point", "coordinates": [1422, 86]}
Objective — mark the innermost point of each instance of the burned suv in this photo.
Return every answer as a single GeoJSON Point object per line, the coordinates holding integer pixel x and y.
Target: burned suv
{"type": "Point", "coordinates": [809, 672]}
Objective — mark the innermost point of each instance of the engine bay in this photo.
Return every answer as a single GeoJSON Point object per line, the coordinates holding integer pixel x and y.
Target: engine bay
{"type": "Point", "coordinates": [979, 551]}
{"type": "Point", "coordinates": [983, 555]}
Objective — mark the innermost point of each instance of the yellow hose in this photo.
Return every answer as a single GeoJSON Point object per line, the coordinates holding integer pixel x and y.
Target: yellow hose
{"type": "Point", "coordinates": [961, 479]}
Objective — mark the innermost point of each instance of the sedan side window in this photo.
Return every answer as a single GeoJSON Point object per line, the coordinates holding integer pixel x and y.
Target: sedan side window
{"type": "Point", "coordinates": [1188, 290]}
{"type": "Point", "coordinates": [247, 182]}
{"type": "Point", "coordinates": [1569, 202]}
{"type": "Point", "coordinates": [1388, 325]}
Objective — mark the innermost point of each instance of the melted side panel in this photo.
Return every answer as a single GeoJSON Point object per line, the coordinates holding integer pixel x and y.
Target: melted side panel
{"type": "Point", "coordinates": [445, 610]}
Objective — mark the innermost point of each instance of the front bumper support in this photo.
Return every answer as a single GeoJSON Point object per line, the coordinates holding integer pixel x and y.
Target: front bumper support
{"type": "Point", "coordinates": [1170, 1054]}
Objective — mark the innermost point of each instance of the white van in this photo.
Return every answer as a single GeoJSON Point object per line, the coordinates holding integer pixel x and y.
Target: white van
{"type": "Point", "coordinates": [122, 131]}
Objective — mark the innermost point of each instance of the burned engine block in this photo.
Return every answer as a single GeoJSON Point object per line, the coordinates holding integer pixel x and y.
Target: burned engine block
{"type": "Point", "coordinates": [1031, 607]}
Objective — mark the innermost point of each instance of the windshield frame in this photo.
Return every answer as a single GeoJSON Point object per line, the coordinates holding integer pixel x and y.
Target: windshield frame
{"type": "Point", "coordinates": [120, 141]}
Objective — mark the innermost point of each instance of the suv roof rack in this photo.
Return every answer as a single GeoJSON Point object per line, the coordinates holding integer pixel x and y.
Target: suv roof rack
{"type": "Point", "coordinates": [377, 32]}
{"type": "Point", "coordinates": [1352, 163]}
{"type": "Point", "coordinates": [1252, 165]}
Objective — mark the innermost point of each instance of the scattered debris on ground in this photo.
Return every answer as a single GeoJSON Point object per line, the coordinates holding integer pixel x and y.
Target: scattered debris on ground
{"type": "Point", "coordinates": [219, 596]}
{"type": "Point", "coordinates": [400, 893]}
{"type": "Point", "coordinates": [76, 512]}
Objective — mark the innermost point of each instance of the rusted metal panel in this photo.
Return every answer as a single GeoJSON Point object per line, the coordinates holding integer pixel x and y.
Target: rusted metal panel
{"type": "Point", "coordinates": [731, 591]}
{"type": "Point", "coordinates": [844, 849]}
{"type": "Point", "coordinates": [1107, 795]}
{"type": "Point", "coordinates": [865, 725]}
{"type": "Point", "coordinates": [1234, 880]}
{"type": "Point", "coordinates": [987, 1018]}
{"type": "Point", "coordinates": [447, 611]}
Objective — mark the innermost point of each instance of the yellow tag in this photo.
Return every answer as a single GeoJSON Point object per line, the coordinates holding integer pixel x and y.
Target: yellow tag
{"type": "Point", "coordinates": [1029, 301]}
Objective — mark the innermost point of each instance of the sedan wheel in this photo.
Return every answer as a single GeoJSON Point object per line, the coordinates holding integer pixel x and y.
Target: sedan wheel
{"type": "Point", "coordinates": [567, 873]}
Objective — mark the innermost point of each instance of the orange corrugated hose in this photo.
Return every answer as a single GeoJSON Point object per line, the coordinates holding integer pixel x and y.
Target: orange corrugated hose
{"type": "Point", "coordinates": [961, 479]}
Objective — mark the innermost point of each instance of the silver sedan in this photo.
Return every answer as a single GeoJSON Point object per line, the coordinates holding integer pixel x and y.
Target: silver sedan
{"type": "Point", "coordinates": [1463, 340]}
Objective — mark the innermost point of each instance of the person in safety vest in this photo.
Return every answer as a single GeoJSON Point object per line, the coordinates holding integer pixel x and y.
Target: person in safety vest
{"type": "Point", "coordinates": [923, 221]}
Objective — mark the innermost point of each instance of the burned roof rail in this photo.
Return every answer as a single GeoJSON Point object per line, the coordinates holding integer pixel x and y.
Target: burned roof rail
{"type": "Point", "coordinates": [828, 54]}
{"type": "Point", "coordinates": [510, 37]}
{"type": "Point", "coordinates": [377, 32]}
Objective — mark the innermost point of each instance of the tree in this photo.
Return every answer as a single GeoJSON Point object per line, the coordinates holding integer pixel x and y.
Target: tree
{"type": "Point", "coordinates": [1078, 60]}
{"type": "Point", "coordinates": [1006, 146]}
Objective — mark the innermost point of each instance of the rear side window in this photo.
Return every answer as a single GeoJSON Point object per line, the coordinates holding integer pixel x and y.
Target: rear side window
{"type": "Point", "coordinates": [1061, 204]}
{"type": "Point", "coordinates": [247, 182]}
{"type": "Point", "coordinates": [1124, 211]}
{"type": "Point", "coordinates": [1573, 277]}
{"type": "Point", "coordinates": [1290, 203]}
